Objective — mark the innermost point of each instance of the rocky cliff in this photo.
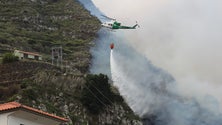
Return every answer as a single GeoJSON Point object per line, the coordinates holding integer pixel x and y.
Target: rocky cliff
{"type": "Point", "coordinates": [36, 26]}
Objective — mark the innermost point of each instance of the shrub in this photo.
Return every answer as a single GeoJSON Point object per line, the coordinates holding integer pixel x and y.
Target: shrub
{"type": "Point", "coordinates": [6, 92]}
{"type": "Point", "coordinates": [30, 94]}
{"type": "Point", "coordinates": [97, 93]}
{"type": "Point", "coordinates": [9, 58]}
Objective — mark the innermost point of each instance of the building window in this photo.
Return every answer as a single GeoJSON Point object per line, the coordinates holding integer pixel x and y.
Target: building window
{"type": "Point", "coordinates": [36, 58]}
{"type": "Point", "coordinates": [26, 56]}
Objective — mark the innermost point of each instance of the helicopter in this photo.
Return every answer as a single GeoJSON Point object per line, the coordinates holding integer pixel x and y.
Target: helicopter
{"type": "Point", "coordinates": [113, 24]}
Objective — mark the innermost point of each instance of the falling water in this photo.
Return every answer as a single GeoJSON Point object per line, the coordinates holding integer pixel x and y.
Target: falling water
{"type": "Point", "coordinates": [152, 93]}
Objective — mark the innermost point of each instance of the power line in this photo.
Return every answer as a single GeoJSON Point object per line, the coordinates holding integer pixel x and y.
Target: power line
{"type": "Point", "coordinates": [96, 96]}
{"type": "Point", "coordinates": [100, 93]}
{"type": "Point", "coordinates": [103, 94]}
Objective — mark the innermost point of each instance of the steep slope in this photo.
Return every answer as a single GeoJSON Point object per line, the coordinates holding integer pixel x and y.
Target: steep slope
{"type": "Point", "coordinates": [37, 25]}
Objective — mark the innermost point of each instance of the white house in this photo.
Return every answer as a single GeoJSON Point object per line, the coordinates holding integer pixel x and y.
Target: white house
{"type": "Point", "coordinates": [14, 113]}
{"type": "Point", "coordinates": [27, 55]}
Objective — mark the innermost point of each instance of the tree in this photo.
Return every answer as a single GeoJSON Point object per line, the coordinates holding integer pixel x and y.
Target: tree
{"type": "Point", "coordinates": [97, 93]}
{"type": "Point", "coordinates": [9, 57]}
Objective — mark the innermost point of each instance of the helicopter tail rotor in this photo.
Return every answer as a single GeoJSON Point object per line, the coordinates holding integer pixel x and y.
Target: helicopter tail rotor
{"type": "Point", "coordinates": [137, 24]}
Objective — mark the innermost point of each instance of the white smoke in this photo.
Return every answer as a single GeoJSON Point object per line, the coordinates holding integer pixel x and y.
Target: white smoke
{"type": "Point", "coordinates": [152, 93]}
{"type": "Point", "coordinates": [180, 36]}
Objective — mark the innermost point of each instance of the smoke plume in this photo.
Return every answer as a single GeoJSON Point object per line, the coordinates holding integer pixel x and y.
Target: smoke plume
{"type": "Point", "coordinates": [152, 93]}
{"type": "Point", "coordinates": [182, 38]}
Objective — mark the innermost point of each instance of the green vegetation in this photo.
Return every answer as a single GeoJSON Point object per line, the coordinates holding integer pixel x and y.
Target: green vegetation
{"type": "Point", "coordinates": [6, 92]}
{"type": "Point", "coordinates": [36, 26]}
{"type": "Point", "coordinates": [31, 91]}
{"type": "Point", "coordinates": [97, 93]}
{"type": "Point", "coordinates": [9, 58]}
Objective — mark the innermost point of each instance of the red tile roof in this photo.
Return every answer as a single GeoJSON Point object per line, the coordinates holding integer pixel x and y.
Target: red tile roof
{"type": "Point", "coordinates": [29, 53]}
{"type": "Point", "coordinates": [16, 105]}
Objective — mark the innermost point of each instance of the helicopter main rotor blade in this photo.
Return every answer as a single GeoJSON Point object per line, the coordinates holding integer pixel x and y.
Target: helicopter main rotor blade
{"type": "Point", "coordinates": [108, 17]}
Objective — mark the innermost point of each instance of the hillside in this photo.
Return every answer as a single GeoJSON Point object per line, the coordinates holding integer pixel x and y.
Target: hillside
{"type": "Point", "coordinates": [37, 26]}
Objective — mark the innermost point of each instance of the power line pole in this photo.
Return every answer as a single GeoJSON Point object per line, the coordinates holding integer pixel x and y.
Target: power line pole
{"type": "Point", "coordinates": [57, 56]}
